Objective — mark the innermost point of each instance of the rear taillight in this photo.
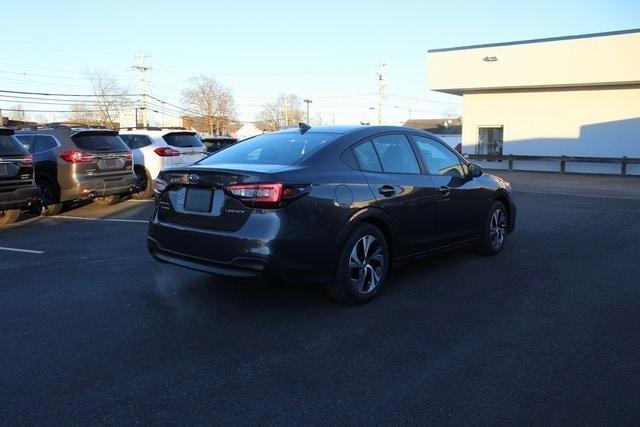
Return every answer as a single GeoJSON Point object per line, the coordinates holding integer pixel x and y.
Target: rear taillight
{"type": "Point", "coordinates": [75, 156]}
{"type": "Point", "coordinates": [159, 185]}
{"type": "Point", "coordinates": [166, 152]}
{"type": "Point", "coordinates": [27, 160]}
{"type": "Point", "coordinates": [257, 194]}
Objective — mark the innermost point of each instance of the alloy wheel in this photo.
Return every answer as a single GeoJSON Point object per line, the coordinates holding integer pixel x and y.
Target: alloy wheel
{"type": "Point", "coordinates": [497, 228]}
{"type": "Point", "coordinates": [366, 264]}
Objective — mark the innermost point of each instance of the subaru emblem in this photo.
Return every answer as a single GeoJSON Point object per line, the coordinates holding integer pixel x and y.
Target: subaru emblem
{"type": "Point", "coordinates": [193, 178]}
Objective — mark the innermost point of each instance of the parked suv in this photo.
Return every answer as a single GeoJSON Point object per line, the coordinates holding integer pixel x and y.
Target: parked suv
{"type": "Point", "coordinates": [77, 162]}
{"type": "Point", "coordinates": [155, 149]}
{"type": "Point", "coordinates": [17, 189]}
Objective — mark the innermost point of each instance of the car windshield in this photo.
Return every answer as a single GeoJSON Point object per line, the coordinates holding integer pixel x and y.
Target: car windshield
{"type": "Point", "coordinates": [98, 142]}
{"type": "Point", "coordinates": [10, 146]}
{"type": "Point", "coordinates": [272, 148]}
{"type": "Point", "coordinates": [182, 139]}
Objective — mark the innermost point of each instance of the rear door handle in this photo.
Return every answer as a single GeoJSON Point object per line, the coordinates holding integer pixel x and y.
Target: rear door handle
{"type": "Point", "coordinates": [444, 191]}
{"type": "Point", "coordinates": [387, 190]}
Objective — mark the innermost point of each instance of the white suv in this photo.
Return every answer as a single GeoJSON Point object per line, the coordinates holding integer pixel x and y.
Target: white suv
{"type": "Point", "coordinates": [155, 149]}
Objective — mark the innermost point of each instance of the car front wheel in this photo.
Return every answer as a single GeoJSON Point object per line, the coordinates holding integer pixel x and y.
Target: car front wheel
{"type": "Point", "coordinates": [495, 230]}
{"type": "Point", "coordinates": [362, 266]}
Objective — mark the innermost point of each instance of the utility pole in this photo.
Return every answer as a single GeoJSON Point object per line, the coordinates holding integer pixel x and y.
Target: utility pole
{"type": "Point", "coordinates": [307, 101]}
{"type": "Point", "coordinates": [142, 68]}
{"type": "Point", "coordinates": [286, 111]}
{"type": "Point", "coordinates": [381, 84]}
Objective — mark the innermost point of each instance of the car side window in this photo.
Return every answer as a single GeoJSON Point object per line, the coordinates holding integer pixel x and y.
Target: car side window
{"type": "Point", "coordinates": [396, 154]}
{"type": "Point", "coordinates": [367, 157]}
{"type": "Point", "coordinates": [135, 141]}
{"type": "Point", "coordinates": [438, 158]}
{"type": "Point", "coordinates": [26, 141]}
{"type": "Point", "coordinates": [44, 143]}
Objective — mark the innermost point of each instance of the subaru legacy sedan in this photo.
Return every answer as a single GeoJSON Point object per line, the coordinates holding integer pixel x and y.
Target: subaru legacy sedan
{"type": "Point", "coordinates": [333, 205]}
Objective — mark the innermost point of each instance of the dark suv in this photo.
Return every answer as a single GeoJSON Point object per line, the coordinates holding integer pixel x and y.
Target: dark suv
{"type": "Point", "coordinates": [78, 162]}
{"type": "Point", "coordinates": [17, 189]}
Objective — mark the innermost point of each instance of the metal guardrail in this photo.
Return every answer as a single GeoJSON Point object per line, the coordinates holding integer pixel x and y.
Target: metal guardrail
{"type": "Point", "coordinates": [623, 161]}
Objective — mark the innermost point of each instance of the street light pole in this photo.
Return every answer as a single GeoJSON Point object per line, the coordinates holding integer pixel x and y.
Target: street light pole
{"type": "Point", "coordinates": [307, 101]}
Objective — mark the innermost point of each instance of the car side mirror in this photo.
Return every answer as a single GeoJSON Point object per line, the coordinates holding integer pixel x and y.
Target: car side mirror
{"type": "Point", "coordinates": [474, 170]}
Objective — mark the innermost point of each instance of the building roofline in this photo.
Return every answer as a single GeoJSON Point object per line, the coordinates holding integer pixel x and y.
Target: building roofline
{"type": "Point", "coordinates": [550, 39]}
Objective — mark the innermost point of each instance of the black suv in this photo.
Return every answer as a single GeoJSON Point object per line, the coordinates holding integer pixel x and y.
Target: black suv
{"type": "Point", "coordinates": [77, 162]}
{"type": "Point", "coordinates": [17, 189]}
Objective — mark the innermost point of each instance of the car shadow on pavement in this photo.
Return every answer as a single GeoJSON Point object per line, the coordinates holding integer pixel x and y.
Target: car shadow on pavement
{"type": "Point", "coordinates": [186, 292]}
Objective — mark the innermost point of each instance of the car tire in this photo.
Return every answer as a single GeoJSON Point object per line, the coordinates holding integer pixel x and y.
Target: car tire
{"type": "Point", "coordinates": [495, 230]}
{"type": "Point", "coordinates": [108, 200]}
{"type": "Point", "coordinates": [8, 217]}
{"type": "Point", "coordinates": [48, 203]}
{"type": "Point", "coordinates": [363, 264]}
{"type": "Point", "coordinates": [145, 183]}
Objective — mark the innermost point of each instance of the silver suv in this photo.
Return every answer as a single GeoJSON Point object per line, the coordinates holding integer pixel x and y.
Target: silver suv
{"type": "Point", "coordinates": [78, 162]}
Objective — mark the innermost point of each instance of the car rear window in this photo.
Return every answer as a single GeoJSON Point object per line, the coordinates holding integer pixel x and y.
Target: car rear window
{"type": "Point", "coordinates": [272, 148]}
{"type": "Point", "coordinates": [99, 142]}
{"type": "Point", "coordinates": [182, 139]}
{"type": "Point", "coordinates": [136, 141]}
{"type": "Point", "coordinates": [10, 146]}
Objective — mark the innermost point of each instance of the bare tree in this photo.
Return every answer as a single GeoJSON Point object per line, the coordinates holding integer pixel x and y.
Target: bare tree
{"type": "Point", "coordinates": [18, 113]}
{"type": "Point", "coordinates": [284, 111]}
{"type": "Point", "coordinates": [210, 102]}
{"type": "Point", "coordinates": [83, 114]}
{"type": "Point", "coordinates": [109, 98]}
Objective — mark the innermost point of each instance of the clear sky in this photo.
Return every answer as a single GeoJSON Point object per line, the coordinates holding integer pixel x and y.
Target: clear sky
{"type": "Point", "coordinates": [324, 50]}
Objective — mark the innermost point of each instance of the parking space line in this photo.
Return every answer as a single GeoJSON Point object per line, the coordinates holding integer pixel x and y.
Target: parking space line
{"type": "Point", "coordinates": [27, 251]}
{"type": "Point", "coordinates": [140, 221]}
{"type": "Point", "coordinates": [140, 201]}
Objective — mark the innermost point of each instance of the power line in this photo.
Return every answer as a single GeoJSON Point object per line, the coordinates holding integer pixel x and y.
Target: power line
{"type": "Point", "coordinates": [49, 111]}
{"type": "Point", "coordinates": [64, 94]}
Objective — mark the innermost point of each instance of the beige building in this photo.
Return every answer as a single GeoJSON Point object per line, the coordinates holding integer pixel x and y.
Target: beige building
{"type": "Point", "coordinates": [574, 96]}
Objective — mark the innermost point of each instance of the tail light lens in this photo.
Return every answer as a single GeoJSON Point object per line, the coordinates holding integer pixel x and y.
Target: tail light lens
{"type": "Point", "coordinates": [75, 156]}
{"type": "Point", "coordinates": [166, 152]}
{"type": "Point", "coordinates": [27, 160]}
{"type": "Point", "coordinates": [159, 185]}
{"type": "Point", "coordinates": [258, 194]}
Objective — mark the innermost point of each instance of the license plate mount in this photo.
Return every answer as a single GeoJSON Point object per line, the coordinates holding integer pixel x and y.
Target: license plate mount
{"type": "Point", "coordinates": [198, 200]}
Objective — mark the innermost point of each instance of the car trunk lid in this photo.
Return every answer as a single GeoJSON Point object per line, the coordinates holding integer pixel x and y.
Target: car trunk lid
{"type": "Point", "coordinates": [188, 144]}
{"type": "Point", "coordinates": [104, 153]}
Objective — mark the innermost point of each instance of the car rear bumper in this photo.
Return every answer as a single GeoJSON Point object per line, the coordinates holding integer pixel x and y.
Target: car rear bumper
{"type": "Point", "coordinates": [19, 198]}
{"type": "Point", "coordinates": [100, 186]}
{"type": "Point", "coordinates": [258, 249]}
{"type": "Point", "coordinates": [237, 267]}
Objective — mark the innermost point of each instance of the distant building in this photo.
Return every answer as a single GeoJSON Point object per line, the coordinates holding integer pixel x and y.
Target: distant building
{"type": "Point", "coordinates": [247, 130]}
{"type": "Point", "coordinates": [449, 130]}
{"type": "Point", "coordinates": [577, 95]}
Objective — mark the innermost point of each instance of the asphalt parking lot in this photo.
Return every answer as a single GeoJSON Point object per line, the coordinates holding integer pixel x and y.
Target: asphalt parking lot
{"type": "Point", "coordinates": [94, 331]}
